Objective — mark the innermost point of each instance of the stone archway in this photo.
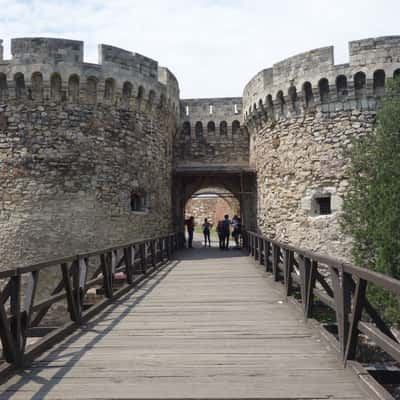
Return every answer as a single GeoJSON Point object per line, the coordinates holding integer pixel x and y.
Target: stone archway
{"type": "Point", "coordinates": [238, 181]}
{"type": "Point", "coordinates": [213, 204]}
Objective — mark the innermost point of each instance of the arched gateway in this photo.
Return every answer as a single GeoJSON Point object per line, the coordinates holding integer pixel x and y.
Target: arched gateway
{"type": "Point", "coordinates": [216, 157]}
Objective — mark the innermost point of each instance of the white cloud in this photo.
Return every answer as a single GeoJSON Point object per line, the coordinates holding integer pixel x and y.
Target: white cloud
{"type": "Point", "coordinates": [214, 47]}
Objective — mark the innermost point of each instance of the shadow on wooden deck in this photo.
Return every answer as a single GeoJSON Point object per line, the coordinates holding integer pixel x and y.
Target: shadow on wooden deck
{"type": "Point", "coordinates": [69, 360]}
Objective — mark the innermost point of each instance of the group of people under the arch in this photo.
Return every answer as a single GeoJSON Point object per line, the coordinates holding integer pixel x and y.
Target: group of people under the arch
{"type": "Point", "coordinates": [224, 228]}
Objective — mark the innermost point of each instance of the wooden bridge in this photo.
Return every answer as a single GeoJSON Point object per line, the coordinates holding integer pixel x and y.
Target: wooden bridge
{"type": "Point", "coordinates": [201, 324]}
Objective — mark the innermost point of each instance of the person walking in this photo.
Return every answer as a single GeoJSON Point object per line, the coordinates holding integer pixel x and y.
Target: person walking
{"type": "Point", "coordinates": [206, 232]}
{"type": "Point", "coordinates": [190, 229]}
{"type": "Point", "coordinates": [220, 231]}
{"type": "Point", "coordinates": [237, 230]}
{"type": "Point", "coordinates": [226, 229]}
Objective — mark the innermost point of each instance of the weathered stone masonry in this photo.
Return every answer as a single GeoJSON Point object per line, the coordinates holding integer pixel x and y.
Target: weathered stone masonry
{"type": "Point", "coordinates": [72, 155]}
{"type": "Point", "coordinates": [211, 133]}
{"type": "Point", "coordinates": [302, 115]}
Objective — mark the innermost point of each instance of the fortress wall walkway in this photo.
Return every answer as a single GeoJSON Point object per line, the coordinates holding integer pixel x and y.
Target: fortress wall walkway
{"type": "Point", "coordinates": [210, 325]}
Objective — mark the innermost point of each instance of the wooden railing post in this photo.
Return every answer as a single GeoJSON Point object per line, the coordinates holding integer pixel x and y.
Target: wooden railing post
{"type": "Point", "coordinates": [257, 248]}
{"type": "Point", "coordinates": [157, 251]}
{"type": "Point", "coordinates": [173, 243]}
{"type": "Point", "coordinates": [305, 270]}
{"type": "Point", "coordinates": [153, 252]}
{"type": "Point", "coordinates": [143, 257]}
{"type": "Point", "coordinates": [267, 246]}
{"type": "Point", "coordinates": [358, 305]}
{"type": "Point", "coordinates": [288, 269]}
{"type": "Point", "coordinates": [29, 301]}
{"type": "Point", "coordinates": [161, 244]}
{"type": "Point", "coordinates": [107, 275]}
{"type": "Point", "coordinates": [76, 289]}
{"type": "Point", "coordinates": [66, 272]}
{"type": "Point", "coordinates": [342, 296]}
{"type": "Point", "coordinates": [246, 241]}
{"type": "Point", "coordinates": [312, 276]}
{"type": "Point", "coordinates": [129, 256]}
{"type": "Point", "coordinates": [15, 325]}
{"type": "Point", "coordinates": [7, 338]}
{"type": "Point", "coordinates": [79, 276]}
{"type": "Point", "coordinates": [167, 247]}
{"type": "Point", "coordinates": [275, 261]}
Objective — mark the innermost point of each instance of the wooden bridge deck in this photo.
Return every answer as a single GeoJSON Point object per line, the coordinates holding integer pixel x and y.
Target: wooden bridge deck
{"type": "Point", "coordinates": [210, 325]}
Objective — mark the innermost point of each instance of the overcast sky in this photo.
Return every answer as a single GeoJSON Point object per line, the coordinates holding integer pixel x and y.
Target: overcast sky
{"type": "Point", "coordinates": [214, 47]}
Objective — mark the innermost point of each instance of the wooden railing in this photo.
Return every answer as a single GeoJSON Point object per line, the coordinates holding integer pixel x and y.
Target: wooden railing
{"type": "Point", "coordinates": [20, 315]}
{"type": "Point", "coordinates": [338, 285]}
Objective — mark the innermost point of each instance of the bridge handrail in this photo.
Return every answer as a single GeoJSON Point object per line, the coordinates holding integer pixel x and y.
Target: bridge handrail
{"type": "Point", "coordinates": [338, 284]}
{"type": "Point", "coordinates": [132, 261]}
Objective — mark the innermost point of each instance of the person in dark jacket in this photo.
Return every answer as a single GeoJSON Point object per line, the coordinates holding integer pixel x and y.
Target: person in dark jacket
{"type": "Point", "coordinates": [190, 229]}
{"type": "Point", "coordinates": [206, 232]}
{"type": "Point", "coordinates": [220, 232]}
{"type": "Point", "coordinates": [237, 230]}
{"type": "Point", "coordinates": [226, 231]}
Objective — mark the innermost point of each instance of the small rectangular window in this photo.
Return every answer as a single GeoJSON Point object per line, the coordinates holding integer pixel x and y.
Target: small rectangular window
{"type": "Point", "coordinates": [236, 109]}
{"type": "Point", "coordinates": [324, 205]}
{"type": "Point", "coordinates": [139, 202]}
{"type": "Point", "coordinates": [211, 109]}
{"type": "Point", "coordinates": [187, 111]}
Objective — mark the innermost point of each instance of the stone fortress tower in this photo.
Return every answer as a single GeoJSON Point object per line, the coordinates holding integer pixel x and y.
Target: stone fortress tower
{"type": "Point", "coordinates": [85, 149]}
{"type": "Point", "coordinates": [302, 115]}
{"type": "Point", "coordinates": [93, 155]}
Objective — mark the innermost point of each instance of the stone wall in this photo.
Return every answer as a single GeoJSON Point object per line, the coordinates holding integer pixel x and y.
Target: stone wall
{"type": "Point", "coordinates": [212, 208]}
{"type": "Point", "coordinates": [302, 116]}
{"type": "Point", "coordinates": [297, 161]}
{"type": "Point", "coordinates": [211, 133]}
{"type": "Point", "coordinates": [68, 172]}
{"type": "Point", "coordinates": [72, 155]}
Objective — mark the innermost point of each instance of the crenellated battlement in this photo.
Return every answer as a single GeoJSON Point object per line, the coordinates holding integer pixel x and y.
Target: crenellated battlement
{"type": "Point", "coordinates": [54, 69]}
{"type": "Point", "coordinates": [209, 117]}
{"type": "Point", "coordinates": [311, 81]}
{"type": "Point", "coordinates": [211, 133]}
